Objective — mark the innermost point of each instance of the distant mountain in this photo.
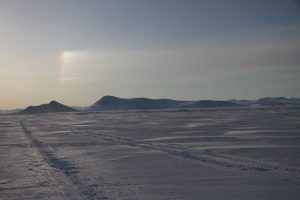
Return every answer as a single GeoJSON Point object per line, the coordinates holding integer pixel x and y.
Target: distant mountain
{"type": "Point", "coordinates": [278, 101]}
{"type": "Point", "coordinates": [52, 107]}
{"type": "Point", "coordinates": [107, 103]}
{"type": "Point", "coordinates": [210, 104]}
{"type": "Point", "coordinates": [115, 103]}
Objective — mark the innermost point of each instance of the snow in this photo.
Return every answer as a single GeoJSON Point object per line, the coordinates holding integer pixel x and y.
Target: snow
{"type": "Point", "coordinates": [203, 154]}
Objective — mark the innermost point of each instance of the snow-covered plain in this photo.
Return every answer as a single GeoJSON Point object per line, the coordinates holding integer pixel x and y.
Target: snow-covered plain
{"type": "Point", "coordinates": [251, 153]}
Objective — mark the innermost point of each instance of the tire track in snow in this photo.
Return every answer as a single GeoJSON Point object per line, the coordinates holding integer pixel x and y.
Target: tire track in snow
{"type": "Point", "coordinates": [220, 161]}
{"type": "Point", "coordinates": [68, 168]}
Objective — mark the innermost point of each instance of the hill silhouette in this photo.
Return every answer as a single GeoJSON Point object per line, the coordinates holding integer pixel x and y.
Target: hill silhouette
{"type": "Point", "coordinates": [51, 107]}
{"type": "Point", "coordinates": [115, 103]}
{"type": "Point", "coordinates": [107, 103]}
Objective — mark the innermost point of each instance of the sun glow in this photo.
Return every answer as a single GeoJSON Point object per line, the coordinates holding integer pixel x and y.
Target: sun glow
{"type": "Point", "coordinates": [65, 60]}
{"type": "Point", "coordinates": [69, 62]}
{"type": "Point", "coordinates": [66, 56]}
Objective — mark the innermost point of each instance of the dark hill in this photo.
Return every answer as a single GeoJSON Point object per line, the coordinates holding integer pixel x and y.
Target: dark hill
{"type": "Point", "coordinates": [210, 104]}
{"type": "Point", "coordinates": [107, 103]}
{"type": "Point", "coordinates": [115, 103]}
{"type": "Point", "coordinates": [277, 101]}
{"type": "Point", "coordinates": [52, 107]}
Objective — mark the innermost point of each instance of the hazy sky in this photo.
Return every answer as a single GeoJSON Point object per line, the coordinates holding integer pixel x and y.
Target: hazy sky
{"type": "Point", "coordinates": [76, 51]}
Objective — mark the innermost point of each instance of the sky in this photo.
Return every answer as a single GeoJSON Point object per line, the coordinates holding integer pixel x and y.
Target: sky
{"type": "Point", "coordinates": [76, 51]}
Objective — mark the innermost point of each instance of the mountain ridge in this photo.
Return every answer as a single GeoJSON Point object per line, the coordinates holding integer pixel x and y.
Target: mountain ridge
{"type": "Point", "coordinates": [51, 107]}
{"type": "Point", "coordinates": [116, 103]}
{"type": "Point", "coordinates": [107, 103]}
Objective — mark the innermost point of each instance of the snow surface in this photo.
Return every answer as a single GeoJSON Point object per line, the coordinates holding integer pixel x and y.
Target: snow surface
{"type": "Point", "coordinates": [185, 155]}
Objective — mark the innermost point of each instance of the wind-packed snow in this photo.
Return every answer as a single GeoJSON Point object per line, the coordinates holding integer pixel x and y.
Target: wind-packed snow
{"type": "Point", "coordinates": [215, 154]}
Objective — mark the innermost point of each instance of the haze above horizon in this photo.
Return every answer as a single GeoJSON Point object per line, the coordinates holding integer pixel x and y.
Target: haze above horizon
{"type": "Point", "coordinates": [75, 51]}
